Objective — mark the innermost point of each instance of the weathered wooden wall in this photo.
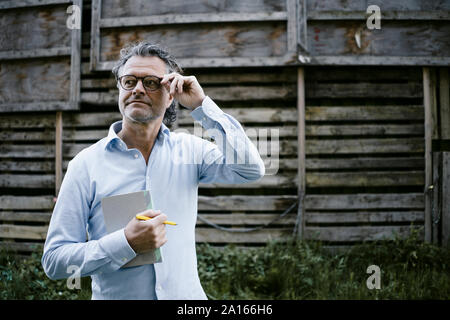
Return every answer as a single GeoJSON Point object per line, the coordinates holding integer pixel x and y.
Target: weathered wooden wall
{"type": "Point", "coordinates": [365, 140]}
{"type": "Point", "coordinates": [39, 57]}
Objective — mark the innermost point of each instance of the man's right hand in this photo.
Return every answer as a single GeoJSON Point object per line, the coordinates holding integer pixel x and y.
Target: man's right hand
{"type": "Point", "coordinates": [147, 235]}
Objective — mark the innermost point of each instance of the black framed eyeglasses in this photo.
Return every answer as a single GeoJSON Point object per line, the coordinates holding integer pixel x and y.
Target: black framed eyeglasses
{"type": "Point", "coordinates": [129, 82]}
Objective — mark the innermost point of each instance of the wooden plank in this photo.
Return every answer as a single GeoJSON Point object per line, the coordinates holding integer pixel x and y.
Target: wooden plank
{"type": "Point", "coordinates": [291, 17]}
{"type": "Point", "coordinates": [380, 129]}
{"type": "Point", "coordinates": [27, 151]}
{"type": "Point", "coordinates": [395, 39]}
{"type": "Point", "coordinates": [10, 4]}
{"type": "Point", "coordinates": [364, 146]}
{"type": "Point", "coordinates": [25, 216]}
{"type": "Point", "coordinates": [366, 74]}
{"type": "Point", "coordinates": [329, 234]}
{"type": "Point", "coordinates": [49, 136]}
{"type": "Point", "coordinates": [242, 219]}
{"type": "Point", "coordinates": [34, 53]}
{"type": "Point", "coordinates": [36, 106]}
{"type": "Point", "coordinates": [365, 201]}
{"type": "Point", "coordinates": [360, 233]}
{"type": "Point", "coordinates": [334, 130]}
{"type": "Point", "coordinates": [87, 119]}
{"type": "Point", "coordinates": [258, 219]}
{"type": "Point", "coordinates": [27, 121]}
{"type": "Point", "coordinates": [345, 60]}
{"type": "Point", "coordinates": [364, 90]}
{"type": "Point", "coordinates": [22, 246]}
{"type": "Point", "coordinates": [27, 166]}
{"type": "Point", "coordinates": [435, 196]}
{"type": "Point", "coordinates": [364, 179]}
{"type": "Point", "coordinates": [171, 19]}
{"type": "Point", "coordinates": [259, 236]}
{"type": "Point", "coordinates": [302, 25]}
{"type": "Point", "coordinates": [58, 152]}
{"type": "Point", "coordinates": [444, 99]}
{"type": "Point", "coordinates": [250, 39]}
{"type": "Point", "coordinates": [372, 113]}
{"type": "Point", "coordinates": [364, 217]}
{"type": "Point", "coordinates": [13, 136]}
{"type": "Point", "coordinates": [446, 199]}
{"type": "Point", "coordinates": [332, 179]}
{"type": "Point", "coordinates": [118, 9]}
{"type": "Point", "coordinates": [364, 113]}
{"type": "Point", "coordinates": [285, 180]}
{"type": "Point", "coordinates": [26, 202]}
{"type": "Point", "coordinates": [28, 181]}
{"type": "Point", "coordinates": [245, 203]}
{"type": "Point", "coordinates": [20, 90]}
{"type": "Point", "coordinates": [429, 87]}
{"type": "Point", "coordinates": [251, 61]}
{"type": "Point", "coordinates": [358, 5]}
{"type": "Point", "coordinates": [35, 28]}
{"type": "Point", "coordinates": [387, 15]}
{"type": "Point", "coordinates": [363, 163]}
{"type": "Point", "coordinates": [253, 115]}
{"type": "Point", "coordinates": [301, 154]}
{"type": "Point", "coordinates": [23, 232]}
{"type": "Point", "coordinates": [75, 62]}
{"type": "Point", "coordinates": [95, 36]}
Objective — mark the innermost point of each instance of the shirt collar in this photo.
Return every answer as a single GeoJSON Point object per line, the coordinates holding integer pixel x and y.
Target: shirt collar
{"type": "Point", "coordinates": [117, 126]}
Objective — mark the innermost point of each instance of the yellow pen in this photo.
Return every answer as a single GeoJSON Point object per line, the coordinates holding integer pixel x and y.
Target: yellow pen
{"type": "Point", "coordinates": [148, 218]}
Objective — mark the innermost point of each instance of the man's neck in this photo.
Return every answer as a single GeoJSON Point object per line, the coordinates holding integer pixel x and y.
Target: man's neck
{"type": "Point", "coordinates": [140, 136]}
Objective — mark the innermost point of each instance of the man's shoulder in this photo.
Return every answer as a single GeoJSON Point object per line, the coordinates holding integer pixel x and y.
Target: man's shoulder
{"type": "Point", "coordinates": [89, 153]}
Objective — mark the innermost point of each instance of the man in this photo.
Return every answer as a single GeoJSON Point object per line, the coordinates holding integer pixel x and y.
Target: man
{"type": "Point", "coordinates": [140, 153]}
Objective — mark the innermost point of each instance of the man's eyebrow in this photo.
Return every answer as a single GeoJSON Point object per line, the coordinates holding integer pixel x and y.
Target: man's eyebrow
{"type": "Point", "coordinates": [147, 75]}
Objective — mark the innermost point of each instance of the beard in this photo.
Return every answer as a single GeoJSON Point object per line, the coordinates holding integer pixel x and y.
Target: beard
{"type": "Point", "coordinates": [142, 115]}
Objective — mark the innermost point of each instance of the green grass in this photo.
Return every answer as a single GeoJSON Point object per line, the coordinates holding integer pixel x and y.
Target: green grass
{"type": "Point", "coordinates": [410, 269]}
{"type": "Point", "coordinates": [25, 279]}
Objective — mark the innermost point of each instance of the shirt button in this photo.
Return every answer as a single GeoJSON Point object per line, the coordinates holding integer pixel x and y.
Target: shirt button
{"type": "Point", "coordinates": [136, 155]}
{"type": "Point", "coordinates": [124, 259]}
{"type": "Point", "coordinates": [158, 287]}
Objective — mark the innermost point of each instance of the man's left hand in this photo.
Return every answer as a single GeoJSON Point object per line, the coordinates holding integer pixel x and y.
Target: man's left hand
{"type": "Point", "coordinates": [186, 90]}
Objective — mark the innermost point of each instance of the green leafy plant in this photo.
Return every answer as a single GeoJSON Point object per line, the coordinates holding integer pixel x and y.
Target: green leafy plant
{"type": "Point", "coordinates": [410, 269]}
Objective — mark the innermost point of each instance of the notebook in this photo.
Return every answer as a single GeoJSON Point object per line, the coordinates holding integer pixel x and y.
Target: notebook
{"type": "Point", "coordinates": [118, 210]}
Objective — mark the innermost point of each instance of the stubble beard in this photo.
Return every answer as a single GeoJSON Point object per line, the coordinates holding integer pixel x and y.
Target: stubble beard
{"type": "Point", "coordinates": [140, 118]}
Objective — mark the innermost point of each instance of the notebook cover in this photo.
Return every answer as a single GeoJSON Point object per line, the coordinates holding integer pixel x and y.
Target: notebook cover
{"type": "Point", "coordinates": [118, 210]}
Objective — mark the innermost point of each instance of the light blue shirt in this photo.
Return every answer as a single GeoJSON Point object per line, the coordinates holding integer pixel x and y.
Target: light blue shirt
{"type": "Point", "coordinates": [177, 164]}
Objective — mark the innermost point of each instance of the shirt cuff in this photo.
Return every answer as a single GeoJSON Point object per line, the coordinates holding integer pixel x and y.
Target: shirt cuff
{"type": "Point", "coordinates": [117, 247]}
{"type": "Point", "coordinates": [208, 113]}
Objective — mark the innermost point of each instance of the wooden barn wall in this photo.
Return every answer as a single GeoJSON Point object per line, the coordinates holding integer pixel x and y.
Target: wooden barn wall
{"type": "Point", "coordinates": [39, 57]}
{"type": "Point", "coordinates": [364, 149]}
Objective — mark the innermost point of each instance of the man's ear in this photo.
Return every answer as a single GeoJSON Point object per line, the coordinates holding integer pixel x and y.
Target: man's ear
{"type": "Point", "coordinates": [171, 99]}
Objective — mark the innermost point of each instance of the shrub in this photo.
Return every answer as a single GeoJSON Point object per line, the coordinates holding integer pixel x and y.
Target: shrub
{"type": "Point", "coordinates": [410, 269]}
{"type": "Point", "coordinates": [25, 279]}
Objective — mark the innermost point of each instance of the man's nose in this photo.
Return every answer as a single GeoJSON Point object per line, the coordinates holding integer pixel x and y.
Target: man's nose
{"type": "Point", "coordinates": [139, 89]}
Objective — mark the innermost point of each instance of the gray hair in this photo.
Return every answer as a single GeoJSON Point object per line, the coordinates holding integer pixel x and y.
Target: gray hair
{"type": "Point", "coordinates": [147, 49]}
